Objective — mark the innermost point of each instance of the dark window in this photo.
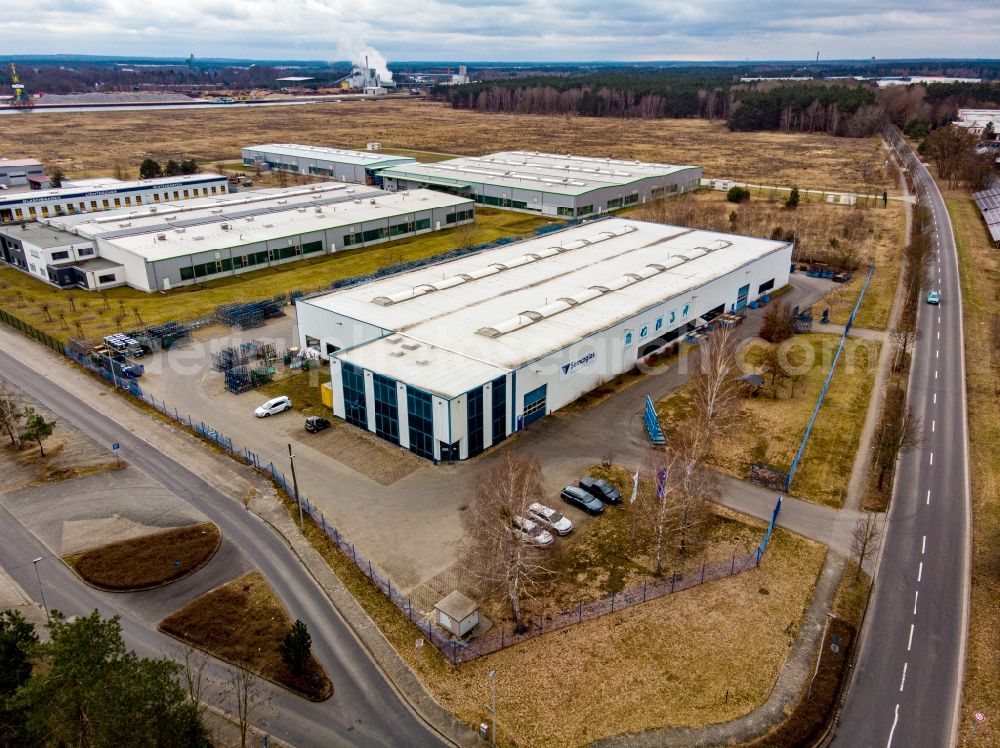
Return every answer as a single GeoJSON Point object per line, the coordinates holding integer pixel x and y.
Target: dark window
{"type": "Point", "coordinates": [60, 255]}
{"type": "Point", "coordinates": [355, 408]}
{"type": "Point", "coordinates": [420, 416]}
{"type": "Point", "coordinates": [474, 419]}
{"type": "Point", "coordinates": [386, 410]}
{"type": "Point", "coordinates": [499, 415]}
{"type": "Point", "coordinates": [632, 199]}
{"type": "Point", "coordinates": [423, 224]}
{"type": "Point", "coordinates": [616, 203]}
{"type": "Point", "coordinates": [187, 274]}
{"type": "Point", "coordinates": [764, 287]}
{"type": "Point", "coordinates": [110, 278]}
{"type": "Point", "coordinates": [311, 247]}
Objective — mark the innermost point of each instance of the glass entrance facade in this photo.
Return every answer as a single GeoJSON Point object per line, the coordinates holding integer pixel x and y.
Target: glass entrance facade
{"type": "Point", "coordinates": [355, 408]}
{"type": "Point", "coordinates": [386, 410]}
{"type": "Point", "coordinates": [420, 417]}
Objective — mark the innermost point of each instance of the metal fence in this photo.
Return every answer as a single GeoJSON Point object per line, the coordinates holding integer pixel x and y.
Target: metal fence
{"type": "Point", "coordinates": [765, 475]}
{"type": "Point", "coordinates": [31, 331]}
{"type": "Point", "coordinates": [456, 651]}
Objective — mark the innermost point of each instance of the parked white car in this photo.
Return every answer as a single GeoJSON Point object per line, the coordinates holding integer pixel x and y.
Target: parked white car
{"type": "Point", "coordinates": [531, 532]}
{"type": "Point", "coordinates": [548, 517]}
{"type": "Point", "coordinates": [274, 405]}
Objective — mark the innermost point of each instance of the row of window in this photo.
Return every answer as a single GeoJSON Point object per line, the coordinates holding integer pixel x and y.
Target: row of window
{"type": "Point", "coordinates": [459, 216]}
{"type": "Point", "coordinates": [248, 260]}
{"type": "Point", "coordinates": [386, 232]}
{"type": "Point", "coordinates": [60, 209]}
{"type": "Point", "coordinates": [474, 420]}
{"type": "Point", "coordinates": [657, 325]}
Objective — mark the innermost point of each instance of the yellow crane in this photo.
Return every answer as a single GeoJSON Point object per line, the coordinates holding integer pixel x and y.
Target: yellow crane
{"type": "Point", "coordinates": [21, 98]}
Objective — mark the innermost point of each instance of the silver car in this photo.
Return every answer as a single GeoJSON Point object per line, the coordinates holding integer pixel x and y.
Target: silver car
{"type": "Point", "coordinates": [548, 517]}
{"type": "Point", "coordinates": [531, 532]}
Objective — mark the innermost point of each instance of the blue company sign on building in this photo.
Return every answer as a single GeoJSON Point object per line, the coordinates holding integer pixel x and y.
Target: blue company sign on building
{"type": "Point", "coordinates": [581, 363]}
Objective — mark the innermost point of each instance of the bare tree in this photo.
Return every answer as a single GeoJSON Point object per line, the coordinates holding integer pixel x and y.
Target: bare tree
{"type": "Point", "coordinates": [773, 367]}
{"type": "Point", "coordinates": [11, 413]}
{"type": "Point", "coordinates": [655, 507]}
{"type": "Point", "coordinates": [903, 336]}
{"type": "Point", "coordinates": [777, 325]}
{"type": "Point", "coordinates": [864, 539]}
{"type": "Point", "coordinates": [193, 664]}
{"type": "Point", "coordinates": [715, 390]}
{"type": "Point", "coordinates": [696, 487]}
{"type": "Point", "coordinates": [245, 687]}
{"type": "Point", "coordinates": [900, 433]}
{"type": "Point", "coordinates": [494, 553]}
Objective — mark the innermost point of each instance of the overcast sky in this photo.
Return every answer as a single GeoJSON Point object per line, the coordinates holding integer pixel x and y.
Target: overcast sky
{"type": "Point", "coordinates": [512, 30]}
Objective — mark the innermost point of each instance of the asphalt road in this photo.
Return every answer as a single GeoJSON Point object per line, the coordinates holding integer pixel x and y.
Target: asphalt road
{"type": "Point", "coordinates": [908, 684]}
{"type": "Point", "coordinates": [365, 709]}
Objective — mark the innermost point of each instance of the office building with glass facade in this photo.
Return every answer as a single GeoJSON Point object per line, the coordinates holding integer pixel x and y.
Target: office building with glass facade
{"type": "Point", "coordinates": [449, 359]}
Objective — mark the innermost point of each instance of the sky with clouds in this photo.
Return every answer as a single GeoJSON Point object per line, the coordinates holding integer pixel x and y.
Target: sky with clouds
{"type": "Point", "coordinates": [512, 30]}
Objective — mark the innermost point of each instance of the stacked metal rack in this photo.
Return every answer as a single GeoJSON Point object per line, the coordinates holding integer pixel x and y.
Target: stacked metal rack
{"type": "Point", "coordinates": [248, 314]}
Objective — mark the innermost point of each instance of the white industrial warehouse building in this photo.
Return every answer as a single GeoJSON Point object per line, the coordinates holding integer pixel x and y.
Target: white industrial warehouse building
{"type": "Point", "coordinates": [361, 167]}
{"type": "Point", "coordinates": [91, 196]}
{"type": "Point", "coordinates": [159, 247]}
{"type": "Point", "coordinates": [449, 359]}
{"type": "Point", "coordinates": [546, 183]}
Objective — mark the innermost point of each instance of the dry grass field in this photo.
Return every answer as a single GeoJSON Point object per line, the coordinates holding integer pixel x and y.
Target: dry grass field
{"type": "Point", "coordinates": [86, 143]}
{"type": "Point", "coordinates": [774, 426]}
{"type": "Point", "coordinates": [148, 561]}
{"type": "Point", "coordinates": [980, 270]}
{"type": "Point", "coordinates": [874, 235]}
{"type": "Point", "coordinates": [244, 623]}
{"type": "Point", "coordinates": [96, 313]}
{"type": "Point", "coordinates": [669, 662]}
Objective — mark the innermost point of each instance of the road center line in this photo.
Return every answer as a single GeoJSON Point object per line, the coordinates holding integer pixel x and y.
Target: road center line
{"type": "Point", "coordinates": [938, 334]}
{"type": "Point", "coordinates": [932, 426]}
{"type": "Point", "coordinates": [928, 497]}
{"type": "Point", "coordinates": [902, 681]}
{"type": "Point", "coordinates": [916, 594]}
{"type": "Point", "coordinates": [932, 458]}
{"type": "Point", "coordinates": [923, 545]}
{"type": "Point", "coordinates": [935, 398]}
{"type": "Point", "coordinates": [939, 319]}
{"type": "Point", "coordinates": [891, 731]}
{"type": "Point", "coordinates": [920, 571]}
{"type": "Point", "coordinates": [937, 353]}
{"type": "Point", "coordinates": [935, 373]}
{"type": "Point", "coordinates": [909, 644]}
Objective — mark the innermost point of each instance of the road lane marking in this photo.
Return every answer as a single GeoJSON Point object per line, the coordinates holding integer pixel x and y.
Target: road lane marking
{"type": "Point", "coordinates": [928, 496]}
{"type": "Point", "coordinates": [891, 731]}
{"type": "Point", "coordinates": [902, 681]}
{"type": "Point", "coordinates": [939, 319]}
{"type": "Point", "coordinates": [935, 398]}
{"type": "Point", "coordinates": [909, 644]}
{"type": "Point", "coordinates": [938, 334]}
{"type": "Point", "coordinates": [932, 426]}
{"type": "Point", "coordinates": [923, 545]}
{"type": "Point", "coordinates": [916, 594]}
{"type": "Point", "coordinates": [935, 373]}
{"type": "Point", "coordinates": [920, 571]}
{"type": "Point", "coordinates": [932, 458]}
{"type": "Point", "coordinates": [937, 353]}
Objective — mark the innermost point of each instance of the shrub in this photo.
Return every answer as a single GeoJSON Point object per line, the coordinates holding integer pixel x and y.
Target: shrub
{"type": "Point", "coordinates": [793, 199]}
{"type": "Point", "coordinates": [738, 195]}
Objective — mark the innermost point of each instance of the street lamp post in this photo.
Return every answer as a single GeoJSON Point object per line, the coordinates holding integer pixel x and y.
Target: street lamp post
{"type": "Point", "coordinates": [295, 483]}
{"type": "Point", "coordinates": [492, 675]}
{"type": "Point", "coordinates": [41, 588]}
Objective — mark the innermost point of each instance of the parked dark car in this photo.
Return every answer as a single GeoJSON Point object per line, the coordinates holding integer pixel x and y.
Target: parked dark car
{"type": "Point", "coordinates": [600, 489]}
{"type": "Point", "coordinates": [581, 500]}
{"type": "Point", "coordinates": [316, 423]}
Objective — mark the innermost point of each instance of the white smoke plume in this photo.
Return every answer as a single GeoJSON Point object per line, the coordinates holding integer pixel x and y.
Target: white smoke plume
{"type": "Point", "coordinates": [356, 53]}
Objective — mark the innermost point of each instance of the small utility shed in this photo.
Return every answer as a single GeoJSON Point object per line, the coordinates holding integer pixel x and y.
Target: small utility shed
{"type": "Point", "coordinates": [457, 613]}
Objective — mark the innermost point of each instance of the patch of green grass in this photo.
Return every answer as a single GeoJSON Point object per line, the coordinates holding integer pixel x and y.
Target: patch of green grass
{"type": "Point", "coordinates": [59, 312]}
{"type": "Point", "coordinates": [303, 387]}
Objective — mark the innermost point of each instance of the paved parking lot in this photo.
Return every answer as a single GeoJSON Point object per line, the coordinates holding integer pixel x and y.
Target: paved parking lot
{"type": "Point", "coordinates": [411, 525]}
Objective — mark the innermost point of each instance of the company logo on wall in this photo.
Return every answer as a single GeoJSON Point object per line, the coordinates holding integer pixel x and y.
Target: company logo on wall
{"type": "Point", "coordinates": [581, 363]}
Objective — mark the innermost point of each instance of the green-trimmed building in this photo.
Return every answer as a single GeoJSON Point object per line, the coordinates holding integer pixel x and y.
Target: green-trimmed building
{"type": "Point", "coordinates": [545, 183]}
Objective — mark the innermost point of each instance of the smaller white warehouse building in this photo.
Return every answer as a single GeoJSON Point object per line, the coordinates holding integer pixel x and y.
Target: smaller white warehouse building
{"type": "Point", "coordinates": [449, 359]}
{"type": "Point", "coordinates": [546, 183]}
{"type": "Point", "coordinates": [360, 167]}
{"type": "Point", "coordinates": [159, 247]}
{"type": "Point", "coordinates": [95, 196]}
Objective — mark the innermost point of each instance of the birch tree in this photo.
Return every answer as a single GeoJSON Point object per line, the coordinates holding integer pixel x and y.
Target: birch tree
{"type": "Point", "coordinates": [494, 554]}
{"type": "Point", "coordinates": [11, 413]}
{"type": "Point", "coordinates": [715, 391]}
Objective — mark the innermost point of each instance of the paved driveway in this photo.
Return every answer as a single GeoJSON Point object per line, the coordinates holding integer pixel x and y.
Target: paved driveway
{"type": "Point", "coordinates": [411, 527]}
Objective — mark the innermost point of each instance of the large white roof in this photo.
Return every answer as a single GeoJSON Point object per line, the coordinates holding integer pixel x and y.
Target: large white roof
{"type": "Point", "coordinates": [152, 217]}
{"type": "Point", "coordinates": [223, 233]}
{"type": "Point", "coordinates": [335, 155]}
{"type": "Point", "coordinates": [69, 193]}
{"type": "Point", "coordinates": [494, 311]}
{"type": "Point", "coordinates": [546, 172]}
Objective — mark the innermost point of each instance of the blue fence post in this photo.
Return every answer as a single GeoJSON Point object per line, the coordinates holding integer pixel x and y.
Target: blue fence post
{"type": "Point", "coordinates": [703, 573]}
{"type": "Point", "coordinates": [354, 556]}
{"type": "Point", "coordinates": [388, 584]}
{"type": "Point", "coordinates": [370, 570]}
{"type": "Point", "coordinates": [732, 569]}
{"type": "Point", "coordinates": [644, 590]}
{"type": "Point", "coordinates": [453, 646]}
{"type": "Point", "coordinates": [612, 602]}
{"type": "Point", "coordinates": [409, 609]}
{"type": "Point", "coordinates": [673, 576]}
